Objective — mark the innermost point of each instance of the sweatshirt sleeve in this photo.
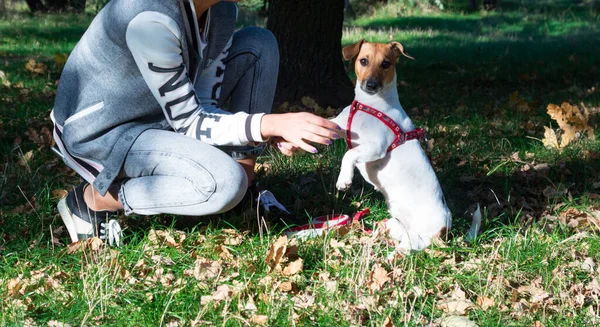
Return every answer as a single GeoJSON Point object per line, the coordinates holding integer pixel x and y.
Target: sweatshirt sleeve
{"type": "Point", "coordinates": [154, 40]}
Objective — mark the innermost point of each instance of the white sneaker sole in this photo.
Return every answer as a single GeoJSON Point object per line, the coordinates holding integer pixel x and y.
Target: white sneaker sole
{"type": "Point", "coordinates": [67, 218]}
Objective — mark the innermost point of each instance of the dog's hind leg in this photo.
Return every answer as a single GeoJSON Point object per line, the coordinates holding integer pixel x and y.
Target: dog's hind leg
{"type": "Point", "coordinates": [360, 154]}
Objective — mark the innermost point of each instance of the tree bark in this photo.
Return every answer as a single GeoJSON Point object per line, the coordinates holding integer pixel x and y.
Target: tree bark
{"type": "Point", "coordinates": [309, 34]}
{"type": "Point", "coordinates": [36, 5]}
{"type": "Point", "coordinates": [56, 5]}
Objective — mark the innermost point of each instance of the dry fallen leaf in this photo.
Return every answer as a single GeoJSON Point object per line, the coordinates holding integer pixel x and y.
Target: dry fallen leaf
{"type": "Point", "coordinates": [250, 306]}
{"type": "Point", "coordinates": [204, 269]}
{"type": "Point", "coordinates": [223, 293]}
{"type": "Point", "coordinates": [59, 194]}
{"type": "Point", "coordinates": [303, 301]}
{"type": "Point", "coordinates": [457, 321]}
{"type": "Point", "coordinates": [456, 303]}
{"type": "Point", "coordinates": [550, 140]}
{"type": "Point", "coordinates": [276, 252]}
{"type": "Point", "coordinates": [35, 67]}
{"type": "Point", "coordinates": [160, 237]}
{"type": "Point", "coordinates": [571, 120]}
{"type": "Point", "coordinates": [230, 237]}
{"type": "Point", "coordinates": [293, 268]}
{"type": "Point", "coordinates": [388, 322]}
{"type": "Point", "coordinates": [285, 286]}
{"type": "Point", "coordinates": [60, 59]}
{"type": "Point", "coordinates": [377, 278]}
{"type": "Point", "coordinates": [259, 319]}
{"type": "Point", "coordinates": [485, 302]}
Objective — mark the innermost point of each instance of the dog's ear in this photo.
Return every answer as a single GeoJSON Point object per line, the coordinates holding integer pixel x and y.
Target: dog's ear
{"type": "Point", "coordinates": [350, 51]}
{"type": "Point", "coordinates": [399, 49]}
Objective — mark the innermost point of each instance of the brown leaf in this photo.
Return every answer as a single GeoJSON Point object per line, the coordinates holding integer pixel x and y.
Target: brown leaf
{"type": "Point", "coordinates": [230, 237]}
{"type": "Point", "coordinates": [14, 286]}
{"type": "Point", "coordinates": [160, 237]}
{"type": "Point", "coordinates": [224, 252]}
{"type": "Point", "coordinates": [293, 268]}
{"type": "Point", "coordinates": [276, 252]}
{"type": "Point", "coordinates": [388, 322]}
{"type": "Point", "coordinates": [485, 302]}
{"type": "Point", "coordinates": [571, 120]}
{"type": "Point", "coordinates": [223, 293]}
{"type": "Point", "coordinates": [377, 278]}
{"type": "Point", "coordinates": [59, 194]}
{"type": "Point", "coordinates": [456, 303]}
{"type": "Point", "coordinates": [25, 158]}
{"type": "Point", "coordinates": [303, 301]}
{"type": "Point", "coordinates": [204, 269]}
{"type": "Point", "coordinates": [259, 319]}
{"type": "Point", "coordinates": [285, 286]}
{"type": "Point", "coordinates": [35, 67]}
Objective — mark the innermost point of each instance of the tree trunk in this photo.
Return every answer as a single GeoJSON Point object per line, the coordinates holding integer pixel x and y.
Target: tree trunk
{"type": "Point", "coordinates": [66, 5]}
{"type": "Point", "coordinates": [309, 34]}
{"type": "Point", "coordinates": [36, 5]}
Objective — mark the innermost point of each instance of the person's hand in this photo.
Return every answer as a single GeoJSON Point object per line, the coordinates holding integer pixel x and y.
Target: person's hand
{"type": "Point", "coordinates": [285, 147]}
{"type": "Point", "coordinates": [298, 129]}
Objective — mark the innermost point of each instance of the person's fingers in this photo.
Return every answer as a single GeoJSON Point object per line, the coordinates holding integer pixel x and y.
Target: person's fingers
{"type": "Point", "coordinates": [324, 132]}
{"type": "Point", "coordinates": [286, 148]}
{"type": "Point", "coordinates": [305, 146]}
{"type": "Point", "coordinates": [314, 138]}
{"type": "Point", "coordinates": [326, 123]}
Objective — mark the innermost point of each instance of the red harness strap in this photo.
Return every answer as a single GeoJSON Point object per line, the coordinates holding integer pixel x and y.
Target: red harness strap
{"type": "Point", "coordinates": [401, 136]}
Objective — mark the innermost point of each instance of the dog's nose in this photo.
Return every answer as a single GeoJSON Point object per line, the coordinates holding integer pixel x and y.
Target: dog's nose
{"type": "Point", "coordinates": [372, 85]}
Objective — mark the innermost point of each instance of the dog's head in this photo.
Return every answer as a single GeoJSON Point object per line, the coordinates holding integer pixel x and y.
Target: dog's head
{"type": "Point", "coordinates": [375, 63]}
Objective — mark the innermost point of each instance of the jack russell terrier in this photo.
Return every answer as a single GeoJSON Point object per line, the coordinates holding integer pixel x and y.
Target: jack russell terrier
{"type": "Point", "coordinates": [383, 144]}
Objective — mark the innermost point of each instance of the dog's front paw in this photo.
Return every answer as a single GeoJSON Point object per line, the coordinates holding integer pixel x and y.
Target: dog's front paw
{"type": "Point", "coordinates": [343, 183]}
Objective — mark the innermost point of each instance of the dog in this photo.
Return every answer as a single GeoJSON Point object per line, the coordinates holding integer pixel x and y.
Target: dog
{"type": "Point", "coordinates": [383, 144]}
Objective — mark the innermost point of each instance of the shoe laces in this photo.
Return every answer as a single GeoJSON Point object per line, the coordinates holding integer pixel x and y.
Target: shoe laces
{"type": "Point", "coordinates": [111, 232]}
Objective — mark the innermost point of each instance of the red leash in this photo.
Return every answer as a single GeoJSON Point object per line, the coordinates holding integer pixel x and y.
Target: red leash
{"type": "Point", "coordinates": [324, 223]}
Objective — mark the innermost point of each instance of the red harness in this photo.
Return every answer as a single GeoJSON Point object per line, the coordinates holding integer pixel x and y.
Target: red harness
{"type": "Point", "coordinates": [401, 136]}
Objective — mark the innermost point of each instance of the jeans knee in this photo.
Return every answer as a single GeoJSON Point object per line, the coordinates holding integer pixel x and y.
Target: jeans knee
{"type": "Point", "coordinates": [263, 41]}
{"type": "Point", "coordinates": [231, 188]}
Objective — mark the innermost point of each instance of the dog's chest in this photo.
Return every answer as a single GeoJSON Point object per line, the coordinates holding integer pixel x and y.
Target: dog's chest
{"type": "Point", "coordinates": [368, 129]}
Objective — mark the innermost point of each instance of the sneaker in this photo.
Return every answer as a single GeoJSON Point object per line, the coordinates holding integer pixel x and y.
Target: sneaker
{"type": "Point", "coordinates": [83, 223]}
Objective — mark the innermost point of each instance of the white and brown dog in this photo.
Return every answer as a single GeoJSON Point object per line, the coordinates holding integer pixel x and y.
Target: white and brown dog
{"type": "Point", "coordinates": [383, 144]}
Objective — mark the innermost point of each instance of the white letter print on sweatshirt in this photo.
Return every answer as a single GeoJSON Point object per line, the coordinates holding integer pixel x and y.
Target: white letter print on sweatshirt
{"type": "Point", "coordinates": [154, 40]}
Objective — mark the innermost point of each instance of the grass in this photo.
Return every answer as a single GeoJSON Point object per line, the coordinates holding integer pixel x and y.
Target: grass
{"type": "Point", "coordinates": [480, 85]}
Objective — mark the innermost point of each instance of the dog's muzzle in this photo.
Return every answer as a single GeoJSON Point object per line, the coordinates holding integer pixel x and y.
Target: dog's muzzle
{"type": "Point", "coordinates": [371, 86]}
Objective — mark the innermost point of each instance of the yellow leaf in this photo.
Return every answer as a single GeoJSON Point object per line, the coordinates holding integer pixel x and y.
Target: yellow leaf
{"type": "Point", "coordinates": [550, 140]}
{"type": "Point", "coordinates": [25, 158]}
{"type": "Point", "coordinates": [310, 103]}
{"type": "Point", "coordinates": [60, 59]}
{"type": "Point", "coordinates": [35, 67]}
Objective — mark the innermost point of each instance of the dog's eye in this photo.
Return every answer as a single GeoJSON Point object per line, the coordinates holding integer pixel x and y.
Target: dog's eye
{"type": "Point", "coordinates": [364, 62]}
{"type": "Point", "coordinates": [385, 65]}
